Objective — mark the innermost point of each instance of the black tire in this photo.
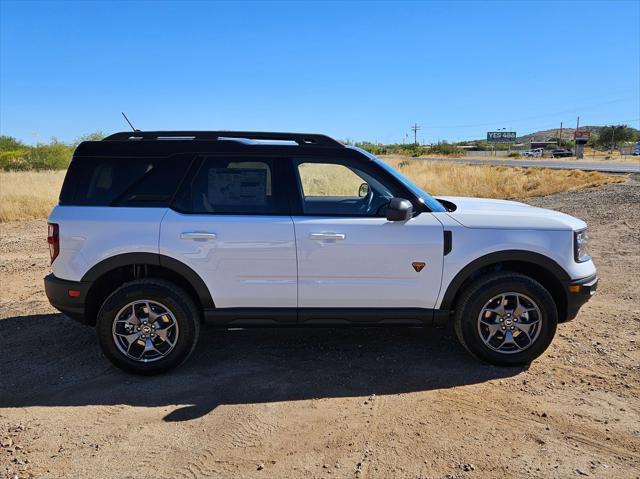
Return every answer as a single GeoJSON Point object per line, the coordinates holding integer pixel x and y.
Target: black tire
{"type": "Point", "coordinates": [472, 300]}
{"type": "Point", "coordinates": [176, 300]}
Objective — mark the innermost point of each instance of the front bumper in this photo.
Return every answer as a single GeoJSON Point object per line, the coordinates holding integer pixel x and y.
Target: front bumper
{"type": "Point", "coordinates": [579, 292]}
{"type": "Point", "coordinates": [68, 297]}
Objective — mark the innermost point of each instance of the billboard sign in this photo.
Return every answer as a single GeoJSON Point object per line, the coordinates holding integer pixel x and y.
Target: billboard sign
{"type": "Point", "coordinates": [581, 134]}
{"type": "Point", "coordinates": [501, 136]}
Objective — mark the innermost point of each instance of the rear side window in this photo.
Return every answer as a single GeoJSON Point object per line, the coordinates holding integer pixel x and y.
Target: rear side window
{"type": "Point", "coordinates": [122, 181]}
{"type": "Point", "coordinates": [232, 186]}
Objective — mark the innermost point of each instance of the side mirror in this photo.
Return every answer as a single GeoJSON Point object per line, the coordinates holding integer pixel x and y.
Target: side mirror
{"type": "Point", "coordinates": [399, 209]}
{"type": "Point", "coordinates": [363, 190]}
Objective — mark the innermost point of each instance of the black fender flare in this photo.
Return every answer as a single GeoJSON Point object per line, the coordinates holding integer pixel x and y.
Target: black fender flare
{"type": "Point", "coordinates": [476, 265]}
{"type": "Point", "coordinates": [178, 267]}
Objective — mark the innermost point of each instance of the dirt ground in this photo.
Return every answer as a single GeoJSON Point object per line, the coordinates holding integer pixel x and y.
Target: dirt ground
{"type": "Point", "coordinates": [343, 403]}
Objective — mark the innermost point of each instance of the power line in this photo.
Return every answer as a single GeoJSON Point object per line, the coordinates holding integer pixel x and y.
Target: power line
{"type": "Point", "coordinates": [545, 115]}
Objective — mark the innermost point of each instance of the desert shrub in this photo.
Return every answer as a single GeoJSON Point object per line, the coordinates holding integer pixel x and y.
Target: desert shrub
{"type": "Point", "coordinates": [14, 160]}
{"type": "Point", "coordinates": [55, 155]}
{"type": "Point", "coordinates": [51, 156]}
{"type": "Point", "coordinates": [515, 154]}
{"type": "Point", "coordinates": [444, 148]}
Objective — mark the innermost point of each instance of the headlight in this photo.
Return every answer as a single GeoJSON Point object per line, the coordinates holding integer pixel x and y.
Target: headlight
{"type": "Point", "coordinates": [580, 246]}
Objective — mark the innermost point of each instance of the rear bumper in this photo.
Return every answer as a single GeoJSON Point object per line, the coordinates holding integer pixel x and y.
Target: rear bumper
{"type": "Point", "coordinates": [578, 293]}
{"type": "Point", "coordinates": [57, 291]}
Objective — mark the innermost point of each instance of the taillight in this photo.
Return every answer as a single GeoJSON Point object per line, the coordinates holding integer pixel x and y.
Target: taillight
{"type": "Point", "coordinates": [53, 238]}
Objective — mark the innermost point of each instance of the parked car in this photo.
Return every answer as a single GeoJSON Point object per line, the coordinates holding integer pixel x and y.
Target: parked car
{"type": "Point", "coordinates": [535, 153]}
{"type": "Point", "coordinates": [636, 149]}
{"type": "Point", "coordinates": [157, 232]}
{"type": "Point", "coordinates": [561, 153]}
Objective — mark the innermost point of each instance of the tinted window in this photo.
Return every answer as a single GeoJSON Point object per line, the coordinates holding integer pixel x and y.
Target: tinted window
{"type": "Point", "coordinates": [343, 188]}
{"type": "Point", "coordinates": [231, 186]}
{"type": "Point", "coordinates": [122, 181]}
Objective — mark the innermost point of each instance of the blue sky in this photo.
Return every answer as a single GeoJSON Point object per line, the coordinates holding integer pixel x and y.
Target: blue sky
{"type": "Point", "coordinates": [360, 70]}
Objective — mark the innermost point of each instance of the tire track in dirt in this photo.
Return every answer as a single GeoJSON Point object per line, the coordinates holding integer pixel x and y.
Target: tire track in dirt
{"type": "Point", "coordinates": [564, 427]}
{"type": "Point", "coordinates": [105, 414]}
{"type": "Point", "coordinates": [238, 431]}
{"type": "Point", "coordinates": [251, 432]}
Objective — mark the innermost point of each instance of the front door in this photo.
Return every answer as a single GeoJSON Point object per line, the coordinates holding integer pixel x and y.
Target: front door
{"type": "Point", "coordinates": [349, 254]}
{"type": "Point", "coordinates": [230, 223]}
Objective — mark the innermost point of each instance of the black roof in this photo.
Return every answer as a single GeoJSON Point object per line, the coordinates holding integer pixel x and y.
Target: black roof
{"type": "Point", "coordinates": [163, 143]}
{"type": "Point", "coordinates": [302, 139]}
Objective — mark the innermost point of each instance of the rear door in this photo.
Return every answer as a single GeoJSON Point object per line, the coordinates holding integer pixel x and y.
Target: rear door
{"type": "Point", "coordinates": [349, 254]}
{"type": "Point", "coordinates": [230, 223]}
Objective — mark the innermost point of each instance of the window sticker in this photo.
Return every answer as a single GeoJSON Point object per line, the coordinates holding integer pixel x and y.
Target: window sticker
{"type": "Point", "coordinates": [237, 186]}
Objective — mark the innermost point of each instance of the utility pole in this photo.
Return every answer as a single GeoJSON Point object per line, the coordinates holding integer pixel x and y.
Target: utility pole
{"type": "Point", "coordinates": [560, 139]}
{"type": "Point", "coordinates": [577, 151]}
{"type": "Point", "coordinates": [415, 129]}
{"type": "Point", "coordinates": [613, 136]}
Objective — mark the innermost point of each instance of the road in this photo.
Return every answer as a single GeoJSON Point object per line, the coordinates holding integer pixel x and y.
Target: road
{"type": "Point", "coordinates": [606, 167]}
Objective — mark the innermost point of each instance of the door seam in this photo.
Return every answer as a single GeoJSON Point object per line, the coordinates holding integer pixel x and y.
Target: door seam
{"type": "Point", "coordinates": [295, 243]}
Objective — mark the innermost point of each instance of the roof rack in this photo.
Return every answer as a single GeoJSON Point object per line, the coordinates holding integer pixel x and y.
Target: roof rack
{"type": "Point", "coordinates": [302, 139]}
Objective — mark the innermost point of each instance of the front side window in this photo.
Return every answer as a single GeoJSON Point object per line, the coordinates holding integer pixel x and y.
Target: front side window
{"type": "Point", "coordinates": [230, 186]}
{"type": "Point", "coordinates": [342, 188]}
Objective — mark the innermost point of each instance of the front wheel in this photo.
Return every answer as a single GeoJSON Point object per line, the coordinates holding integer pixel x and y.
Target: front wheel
{"type": "Point", "coordinates": [506, 319]}
{"type": "Point", "coordinates": [148, 326]}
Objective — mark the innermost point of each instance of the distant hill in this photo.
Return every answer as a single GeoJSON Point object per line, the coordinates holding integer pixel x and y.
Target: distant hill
{"type": "Point", "coordinates": [545, 135]}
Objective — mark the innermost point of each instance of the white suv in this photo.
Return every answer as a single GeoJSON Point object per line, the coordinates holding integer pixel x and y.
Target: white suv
{"type": "Point", "coordinates": [156, 232]}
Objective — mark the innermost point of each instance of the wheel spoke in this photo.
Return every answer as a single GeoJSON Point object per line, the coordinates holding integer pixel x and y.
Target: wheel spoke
{"type": "Point", "coordinates": [162, 333]}
{"type": "Point", "coordinates": [493, 329]}
{"type": "Point", "coordinates": [499, 310]}
{"type": "Point", "coordinates": [508, 339]}
{"type": "Point", "coordinates": [149, 346]}
{"type": "Point", "coordinates": [131, 318]}
{"type": "Point", "coordinates": [151, 314]}
{"type": "Point", "coordinates": [526, 327]}
{"type": "Point", "coordinates": [130, 338]}
{"type": "Point", "coordinates": [520, 308]}
{"type": "Point", "coordinates": [131, 344]}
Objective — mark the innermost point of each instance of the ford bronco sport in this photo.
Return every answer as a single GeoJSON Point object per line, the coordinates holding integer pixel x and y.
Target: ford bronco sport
{"type": "Point", "coordinates": [157, 232]}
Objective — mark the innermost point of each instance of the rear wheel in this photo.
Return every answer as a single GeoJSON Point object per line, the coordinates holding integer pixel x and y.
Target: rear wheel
{"type": "Point", "coordinates": [148, 326]}
{"type": "Point", "coordinates": [506, 319]}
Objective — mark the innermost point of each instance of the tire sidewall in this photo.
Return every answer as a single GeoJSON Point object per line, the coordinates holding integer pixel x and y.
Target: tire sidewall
{"type": "Point", "coordinates": [481, 295]}
{"type": "Point", "coordinates": [170, 297]}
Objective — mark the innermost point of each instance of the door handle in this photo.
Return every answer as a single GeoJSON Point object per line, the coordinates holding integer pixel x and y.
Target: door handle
{"type": "Point", "coordinates": [198, 235]}
{"type": "Point", "coordinates": [327, 236]}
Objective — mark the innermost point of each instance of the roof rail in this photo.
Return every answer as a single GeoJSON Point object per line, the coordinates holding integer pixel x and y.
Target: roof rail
{"type": "Point", "coordinates": [302, 139]}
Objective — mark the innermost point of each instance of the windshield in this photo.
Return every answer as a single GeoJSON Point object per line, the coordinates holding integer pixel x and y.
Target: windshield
{"type": "Point", "coordinates": [431, 203]}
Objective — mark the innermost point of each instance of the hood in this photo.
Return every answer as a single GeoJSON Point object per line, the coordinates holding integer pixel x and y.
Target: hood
{"type": "Point", "coordinates": [489, 213]}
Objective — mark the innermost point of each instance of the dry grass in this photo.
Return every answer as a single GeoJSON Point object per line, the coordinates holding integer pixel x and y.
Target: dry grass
{"type": "Point", "coordinates": [498, 181]}
{"type": "Point", "coordinates": [328, 180]}
{"type": "Point", "coordinates": [28, 194]}
{"type": "Point", "coordinates": [31, 195]}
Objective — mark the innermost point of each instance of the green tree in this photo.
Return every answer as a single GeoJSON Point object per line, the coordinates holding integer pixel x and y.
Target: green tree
{"type": "Point", "coordinates": [614, 135]}
{"type": "Point", "coordinates": [95, 136]}
{"type": "Point", "coordinates": [50, 156]}
{"type": "Point", "coordinates": [9, 143]}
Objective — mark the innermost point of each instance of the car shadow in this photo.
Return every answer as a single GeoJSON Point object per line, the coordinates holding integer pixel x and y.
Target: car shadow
{"type": "Point", "coordinates": [49, 360]}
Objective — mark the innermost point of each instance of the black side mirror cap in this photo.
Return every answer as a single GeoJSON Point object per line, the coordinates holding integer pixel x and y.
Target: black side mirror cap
{"type": "Point", "coordinates": [399, 209]}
